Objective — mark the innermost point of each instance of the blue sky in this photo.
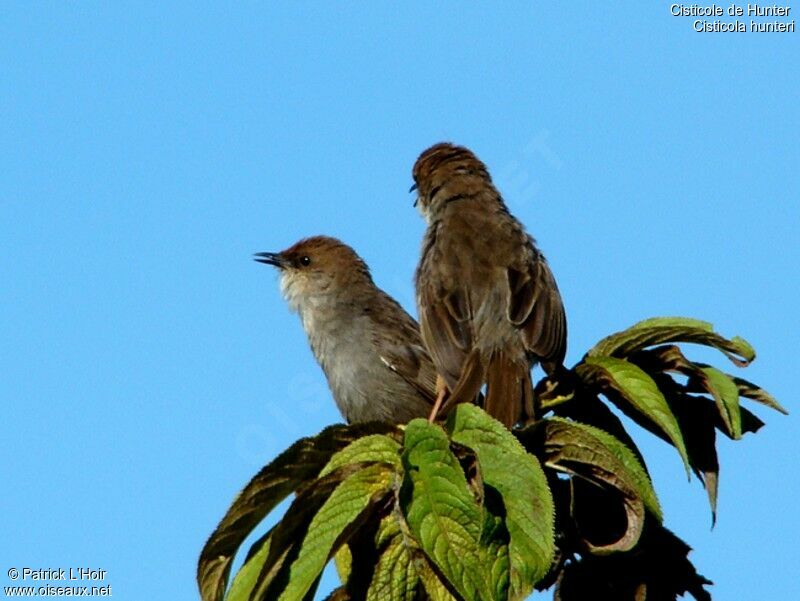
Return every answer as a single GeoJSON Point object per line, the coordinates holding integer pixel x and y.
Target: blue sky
{"type": "Point", "coordinates": [150, 367]}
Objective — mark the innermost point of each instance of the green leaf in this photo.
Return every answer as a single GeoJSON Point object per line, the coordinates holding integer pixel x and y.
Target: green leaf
{"type": "Point", "coordinates": [403, 570]}
{"type": "Point", "coordinates": [247, 576]}
{"type": "Point", "coordinates": [630, 388]}
{"type": "Point", "coordinates": [697, 416]}
{"type": "Point", "coordinates": [672, 329]}
{"type": "Point", "coordinates": [343, 560]}
{"type": "Point", "coordinates": [590, 410]}
{"type": "Point", "coordinates": [626, 470]}
{"type": "Point", "coordinates": [441, 511]}
{"type": "Point", "coordinates": [518, 477]}
{"type": "Point", "coordinates": [594, 455]}
{"type": "Point", "coordinates": [289, 471]}
{"type": "Point", "coordinates": [750, 391]}
{"type": "Point", "coordinates": [726, 396]}
{"type": "Point", "coordinates": [434, 587]}
{"type": "Point", "coordinates": [375, 448]}
{"type": "Point", "coordinates": [288, 534]}
{"type": "Point", "coordinates": [494, 544]}
{"type": "Point", "coordinates": [395, 576]}
{"type": "Point", "coordinates": [702, 378]}
{"type": "Point", "coordinates": [349, 500]}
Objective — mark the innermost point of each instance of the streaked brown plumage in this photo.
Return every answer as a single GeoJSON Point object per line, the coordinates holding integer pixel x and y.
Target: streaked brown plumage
{"type": "Point", "coordinates": [369, 348]}
{"type": "Point", "coordinates": [488, 304]}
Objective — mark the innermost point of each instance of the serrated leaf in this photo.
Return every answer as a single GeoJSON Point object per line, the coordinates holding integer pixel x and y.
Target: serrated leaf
{"type": "Point", "coordinates": [724, 388]}
{"type": "Point", "coordinates": [494, 544]}
{"type": "Point", "coordinates": [590, 410]}
{"type": "Point", "coordinates": [290, 470]}
{"type": "Point", "coordinates": [348, 501]}
{"type": "Point", "coordinates": [395, 576]}
{"type": "Point", "coordinates": [628, 469]}
{"type": "Point", "coordinates": [630, 388]}
{"type": "Point", "coordinates": [441, 511]}
{"type": "Point", "coordinates": [418, 571]}
{"type": "Point", "coordinates": [518, 477]}
{"type": "Point", "coordinates": [374, 448]}
{"type": "Point", "coordinates": [591, 454]}
{"type": "Point", "coordinates": [288, 534]}
{"type": "Point", "coordinates": [702, 378]}
{"type": "Point", "coordinates": [659, 330]}
{"type": "Point", "coordinates": [361, 547]}
{"type": "Point", "coordinates": [433, 585]}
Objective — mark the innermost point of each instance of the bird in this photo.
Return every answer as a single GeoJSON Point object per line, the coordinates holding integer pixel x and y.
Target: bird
{"type": "Point", "coordinates": [368, 346]}
{"type": "Point", "coordinates": [489, 307]}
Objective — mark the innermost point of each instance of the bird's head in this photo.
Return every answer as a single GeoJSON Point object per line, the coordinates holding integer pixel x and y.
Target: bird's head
{"type": "Point", "coordinates": [446, 172]}
{"type": "Point", "coordinates": [317, 270]}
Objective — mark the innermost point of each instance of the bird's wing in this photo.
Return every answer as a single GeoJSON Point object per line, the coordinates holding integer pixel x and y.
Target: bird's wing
{"type": "Point", "coordinates": [535, 307]}
{"type": "Point", "coordinates": [446, 329]}
{"type": "Point", "coordinates": [412, 363]}
{"type": "Point", "coordinates": [402, 351]}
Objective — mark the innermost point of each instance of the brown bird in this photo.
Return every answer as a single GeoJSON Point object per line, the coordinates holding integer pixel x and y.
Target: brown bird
{"type": "Point", "coordinates": [488, 304]}
{"type": "Point", "coordinates": [369, 348]}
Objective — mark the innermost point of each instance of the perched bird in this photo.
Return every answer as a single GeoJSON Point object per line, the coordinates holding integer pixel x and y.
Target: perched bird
{"type": "Point", "coordinates": [488, 304]}
{"type": "Point", "coordinates": [369, 348]}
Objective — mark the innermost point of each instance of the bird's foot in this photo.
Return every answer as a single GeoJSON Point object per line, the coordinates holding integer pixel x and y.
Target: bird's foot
{"type": "Point", "coordinates": [441, 393]}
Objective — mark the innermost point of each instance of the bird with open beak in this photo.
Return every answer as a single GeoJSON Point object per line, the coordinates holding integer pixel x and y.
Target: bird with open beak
{"type": "Point", "coordinates": [369, 348]}
{"type": "Point", "coordinates": [489, 306]}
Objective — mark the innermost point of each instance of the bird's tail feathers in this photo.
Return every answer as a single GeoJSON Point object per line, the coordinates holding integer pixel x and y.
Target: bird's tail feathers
{"type": "Point", "coordinates": [468, 387]}
{"type": "Point", "coordinates": [509, 390]}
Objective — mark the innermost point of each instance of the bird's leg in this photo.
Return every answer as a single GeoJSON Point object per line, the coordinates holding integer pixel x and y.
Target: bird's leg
{"type": "Point", "coordinates": [441, 392]}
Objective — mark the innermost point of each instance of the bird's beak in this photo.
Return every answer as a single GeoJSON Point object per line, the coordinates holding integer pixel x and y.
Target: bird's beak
{"type": "Point", "coordinates": [275, 259]}
{"type": "Point", "coordinates": [412, 189]}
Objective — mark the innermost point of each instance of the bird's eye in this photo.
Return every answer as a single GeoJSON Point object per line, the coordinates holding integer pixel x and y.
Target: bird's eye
{"type": "Point", "coordinates": [305, 261]}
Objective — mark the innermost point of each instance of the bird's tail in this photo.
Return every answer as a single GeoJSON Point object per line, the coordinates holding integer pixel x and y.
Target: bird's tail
{"type": "Point", "coordinates": [468, 387]}
{"type": "Point", "coordinates": [509, 390]}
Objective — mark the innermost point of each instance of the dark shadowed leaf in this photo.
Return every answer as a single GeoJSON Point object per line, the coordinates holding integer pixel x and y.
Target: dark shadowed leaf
{"type": "Point", "coordinates": [290, 470]}
{"type": "Point", "coordinates": [553, 391]}
{"type": "Point", "coordinates": [635, 393]}
{"type": "Point", "coordinates": [589, 409]}
{"type": "Point", "coordinates": [590, 454]}
{"type": "Point", "coordinates": [702, 378]}
{"type": "Point", "coordinates": [658, 569]}
{"type": "Point", "coordinates": [518, 477]}
{"type": "Point", "coordinates": [672, 329]}
{"type": "Point", "coordinates": [697, 417]}
{"type": "Point", "coordinates": [750, 423]}
{"type": "Point", "coordinates": [339, 594]}
{"type": "Point", "coordinates": [356, 560]}
{"type": "Point", "coordinates": [442, 513]}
